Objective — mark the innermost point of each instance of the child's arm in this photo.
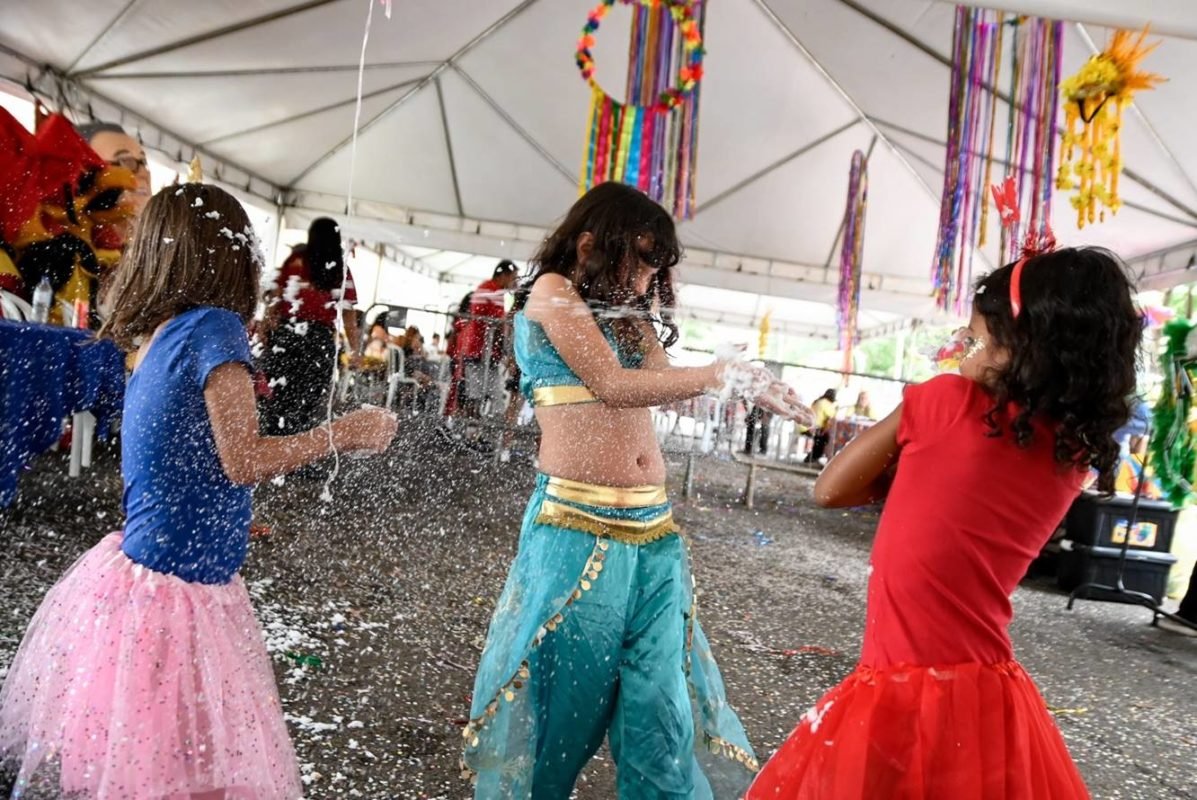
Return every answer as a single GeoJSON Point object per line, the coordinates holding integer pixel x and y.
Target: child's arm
{"type": "Point", "coordinates": [858, 475]}
{"type": "Point", "coordinates": [248, 457]}
{"type": "Point", "coordinates": [571, 328]}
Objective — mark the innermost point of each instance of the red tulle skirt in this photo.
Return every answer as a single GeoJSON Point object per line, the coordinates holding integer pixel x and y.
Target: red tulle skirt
{"type": "Point", "coordinates": [965, 732]}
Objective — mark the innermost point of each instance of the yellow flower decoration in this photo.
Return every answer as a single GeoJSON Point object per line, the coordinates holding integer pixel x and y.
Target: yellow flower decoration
{"type": "Point", "coordinates": [763, 339]}
{"type": "Point", "coordinates": [1095, 98]}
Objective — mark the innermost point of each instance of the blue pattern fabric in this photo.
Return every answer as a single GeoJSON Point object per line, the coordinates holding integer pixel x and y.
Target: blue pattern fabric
{"type": "Point", "coordinates": [48, 373]}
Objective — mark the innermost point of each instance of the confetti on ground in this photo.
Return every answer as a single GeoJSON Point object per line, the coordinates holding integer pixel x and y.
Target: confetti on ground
{"type": "Point", "coordinates": [383, 585]}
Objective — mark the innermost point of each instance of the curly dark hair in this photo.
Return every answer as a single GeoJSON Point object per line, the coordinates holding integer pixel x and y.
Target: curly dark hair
{"type": "Point", "coordinates": [616, 216]}
{"type": "Point", "coordinates": [1073, 352]}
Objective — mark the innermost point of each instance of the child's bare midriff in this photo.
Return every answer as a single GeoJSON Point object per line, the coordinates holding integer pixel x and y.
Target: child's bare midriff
{"type": "Point", "coordinates": [597, 444]}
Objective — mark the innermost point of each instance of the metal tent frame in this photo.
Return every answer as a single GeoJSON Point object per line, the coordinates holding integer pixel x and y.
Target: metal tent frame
{"type": "Point", "coordinates": [81, 81]}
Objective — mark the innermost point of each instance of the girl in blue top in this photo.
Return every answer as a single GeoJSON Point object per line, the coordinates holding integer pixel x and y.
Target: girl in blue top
{"type": "Point", "coordinates": [143, 674]}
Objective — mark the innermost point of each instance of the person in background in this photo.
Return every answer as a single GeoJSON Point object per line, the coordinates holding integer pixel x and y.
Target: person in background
{"type": "Point", "coordinates": [453, 403]}
{"type": "Point", "coordinates": [1188, 604]}
{"type": "Point", "coordinates": [1130, 471]}
{"type": "Point", "coordinates": [311, 290]}
{"type": "Point", "coordinates": [437, 350]}
{"type": "Point", "coordinates": [1187, 611]}
{"type": "Point", "coordinates": [379, 338]}
{"type": "Point", "coordinates": [824, 410]}
{"type": "Point", "coordinates": [66, 212]}
{"type": "Point", "coordinates": [482, 347]}
{"type": "Point", "coordinates": [757, 418]}
{"type": "Point", "coordinates": [515, 399]}
{"type": "Point", "coordinates": [113, 144]}
{"type": "Point", "coordinates": [118, 148]}
{"type": "Point", "coordinates": [864, 407]}
{"type": "Point", "coordinates": [416, 367]}
{"type": "Point", "coordinates": [1139, 424]}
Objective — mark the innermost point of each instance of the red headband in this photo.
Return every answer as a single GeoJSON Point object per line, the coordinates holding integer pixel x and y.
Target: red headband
{"type": "Point", "coordinates": [1034, 246]}
{"type": "Point", "coordinates": [1016, 288]}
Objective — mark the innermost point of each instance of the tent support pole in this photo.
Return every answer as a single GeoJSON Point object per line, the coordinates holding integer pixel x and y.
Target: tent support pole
{"type": "Point", "coordinates": [440, 102]}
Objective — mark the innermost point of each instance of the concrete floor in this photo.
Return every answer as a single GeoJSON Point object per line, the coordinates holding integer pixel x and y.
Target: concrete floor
{"type": "Point", "coordinates": [375, 608]}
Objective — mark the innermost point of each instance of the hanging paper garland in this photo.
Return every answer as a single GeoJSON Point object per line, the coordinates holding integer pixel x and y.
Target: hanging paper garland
{"type": "Point", "coordinates": [1173, 439]}
{"type": "Point", "coordinates": [851, 250]}
{"type": "Point", "coordinates": [977, 68]}
{"type": "Point", "coordinates": [1096, 97]}
{"type": "Point", "coordinates": [762, 342]}
{"type": "Point", "coordinates": [651, 141]}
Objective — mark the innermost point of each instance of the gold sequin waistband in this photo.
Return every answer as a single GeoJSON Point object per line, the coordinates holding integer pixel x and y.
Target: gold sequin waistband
{"type": "Point", "coordinates": [591, 494]}
{"type": "Point", "coordinates": [561, 396]}
{"type": "Point", "coordinates": [635, 532]}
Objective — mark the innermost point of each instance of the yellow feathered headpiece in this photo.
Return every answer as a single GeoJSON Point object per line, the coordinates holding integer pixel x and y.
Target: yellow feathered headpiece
{"type": "Point", "coordinates": [1094, 101]}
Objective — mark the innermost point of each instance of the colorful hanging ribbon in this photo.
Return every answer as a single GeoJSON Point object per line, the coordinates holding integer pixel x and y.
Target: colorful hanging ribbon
{"type": "Point", "coordinates": [651, 141]}
{"type": "Point", "coordinates": [979, 39]}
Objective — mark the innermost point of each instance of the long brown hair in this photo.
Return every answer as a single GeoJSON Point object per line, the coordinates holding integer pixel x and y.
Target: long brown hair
{"type": "Point", "coordinates": [194, 246]}
{"type": "Point", "coordinates": [616, 216]}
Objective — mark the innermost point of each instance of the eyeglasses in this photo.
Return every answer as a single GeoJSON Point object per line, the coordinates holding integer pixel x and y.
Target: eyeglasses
{"type": "Point", "coordinates": [131, 163]}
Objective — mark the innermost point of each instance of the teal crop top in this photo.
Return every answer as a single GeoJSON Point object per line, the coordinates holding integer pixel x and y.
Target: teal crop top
{"type": "Point", "coordinates": [546, 380]}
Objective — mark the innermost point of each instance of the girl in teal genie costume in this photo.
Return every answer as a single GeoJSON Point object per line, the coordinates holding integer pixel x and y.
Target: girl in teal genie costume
{"type": "Point", "coordinates": [596, 632]}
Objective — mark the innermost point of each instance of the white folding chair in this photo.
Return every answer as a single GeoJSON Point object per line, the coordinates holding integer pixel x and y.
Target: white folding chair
{"type": "Point", "coordinates": [444, 378]}
{"type": "Point", "coordinates": [395, 377]}
{"type": "Point", "coordinates": [83, 433]}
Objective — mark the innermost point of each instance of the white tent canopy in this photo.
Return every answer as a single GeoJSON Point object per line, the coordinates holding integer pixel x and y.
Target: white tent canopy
{"type": "Point", "coordinates": [474, 116]}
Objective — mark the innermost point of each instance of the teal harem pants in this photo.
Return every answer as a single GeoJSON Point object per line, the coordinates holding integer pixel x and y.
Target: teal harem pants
{"type": "Point", "coordinates": [595, 635]}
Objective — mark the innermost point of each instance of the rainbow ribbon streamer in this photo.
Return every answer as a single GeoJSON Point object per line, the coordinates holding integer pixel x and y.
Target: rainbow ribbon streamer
{"type": "Point", "coordinates": [851, 252]}
{"type": "Point", "coordinates": [980, 41]}
{"type": "Point", "coordinates": [644, 142]}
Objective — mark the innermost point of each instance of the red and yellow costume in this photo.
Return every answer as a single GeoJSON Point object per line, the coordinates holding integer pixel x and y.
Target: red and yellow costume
{"type": "Point", "coordinates": [62, 213]}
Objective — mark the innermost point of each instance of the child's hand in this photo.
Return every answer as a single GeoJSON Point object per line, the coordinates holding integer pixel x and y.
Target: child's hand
{"type": "Point", "coordinates": [368, 429]}
{"type": "Point", "coordinates": [745, 380]}
{"type": "Point", "coordinates": [782, 400]}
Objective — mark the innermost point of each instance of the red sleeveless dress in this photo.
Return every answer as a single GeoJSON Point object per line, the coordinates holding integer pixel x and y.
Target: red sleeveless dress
{"type": "Point", "coordinates": [937, 708]}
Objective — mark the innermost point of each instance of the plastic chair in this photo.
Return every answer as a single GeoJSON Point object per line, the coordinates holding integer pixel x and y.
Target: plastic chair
{"type": "Point", "coordinates": [444, 380]}
{"type": "Point", "coordinates": [395, 377]}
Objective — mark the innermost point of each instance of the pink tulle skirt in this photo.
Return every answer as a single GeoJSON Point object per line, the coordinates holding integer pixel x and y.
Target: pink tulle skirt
{"type": "Point", "coordinates": [964, 732]}
{"type": "Point", "coordinates": [135, 684]}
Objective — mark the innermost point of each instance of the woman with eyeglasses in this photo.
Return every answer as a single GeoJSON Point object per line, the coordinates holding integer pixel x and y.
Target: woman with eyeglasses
{"type": "Point", "coordinates": [118, 148]}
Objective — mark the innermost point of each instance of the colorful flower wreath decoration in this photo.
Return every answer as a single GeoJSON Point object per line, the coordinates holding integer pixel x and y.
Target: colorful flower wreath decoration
{"type": "Point", "coordinates": [1095, 99]}
{"type": "Point", "coordinates": [690, 71]}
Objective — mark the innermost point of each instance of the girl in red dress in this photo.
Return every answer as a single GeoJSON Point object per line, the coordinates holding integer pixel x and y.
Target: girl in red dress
{"type": "Point", "coordinates": [987, 463]}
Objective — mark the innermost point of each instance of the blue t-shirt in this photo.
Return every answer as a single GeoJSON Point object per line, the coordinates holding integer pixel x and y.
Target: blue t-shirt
{"type": "Point", "coordinates": [183, 514]}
